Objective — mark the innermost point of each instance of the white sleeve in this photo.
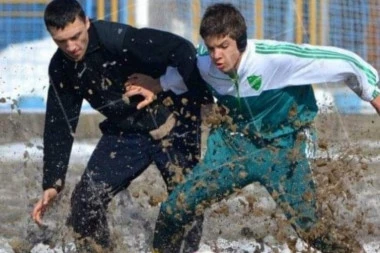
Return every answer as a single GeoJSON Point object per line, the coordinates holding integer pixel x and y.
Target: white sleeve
{"type": "Point", "coordinates": [292, 64]}
{"type": "Point", "coordinates": [172, 80]}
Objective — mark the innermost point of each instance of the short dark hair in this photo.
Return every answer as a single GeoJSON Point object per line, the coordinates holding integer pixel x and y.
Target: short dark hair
{"type": "Point", "coordinates": [60, 13]}
{"type": "Point", "coordinates": [223, 19]}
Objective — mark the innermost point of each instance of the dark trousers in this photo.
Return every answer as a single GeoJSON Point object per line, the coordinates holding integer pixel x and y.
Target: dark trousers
{"type": "Point", "coordinates": [115, 162]}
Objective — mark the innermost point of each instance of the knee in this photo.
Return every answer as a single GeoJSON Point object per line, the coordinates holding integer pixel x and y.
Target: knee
{"type": "Point", "coordinates": [88, 206]}
{"type": "Point", "coordinates": [83, 217]}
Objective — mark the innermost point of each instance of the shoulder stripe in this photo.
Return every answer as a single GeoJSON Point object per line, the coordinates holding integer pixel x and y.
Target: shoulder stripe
{"type": "Point", "coordinates": [316, 53]}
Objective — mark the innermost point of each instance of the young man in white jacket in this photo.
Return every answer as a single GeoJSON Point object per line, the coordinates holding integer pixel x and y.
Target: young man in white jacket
{"type": "Point", "coordinates": [265, 86]}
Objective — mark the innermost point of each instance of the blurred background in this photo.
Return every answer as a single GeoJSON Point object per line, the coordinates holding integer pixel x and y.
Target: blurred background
{"type": "Point", "coordinates": [25, 47]}
{"type": "Point", "coordinates": [25, 52]}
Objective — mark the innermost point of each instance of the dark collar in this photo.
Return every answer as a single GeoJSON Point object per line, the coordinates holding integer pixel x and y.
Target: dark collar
{"type": "Point", "coordinates": [93, 39]}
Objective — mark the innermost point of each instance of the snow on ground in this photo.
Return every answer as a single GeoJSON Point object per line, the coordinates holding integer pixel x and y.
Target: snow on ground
{"type": "Point", "coordinates": [15, 152]}
{"type": "Point", "coordinates": [24, 69]}
{"type": "Point", "coordinates": [18, 151]}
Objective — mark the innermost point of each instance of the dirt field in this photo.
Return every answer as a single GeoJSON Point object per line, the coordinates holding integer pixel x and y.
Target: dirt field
{"type": "Point", "coordinates": [354, 138]}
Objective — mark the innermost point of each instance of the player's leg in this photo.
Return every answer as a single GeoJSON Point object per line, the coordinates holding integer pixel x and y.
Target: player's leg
{"type": "Point", "coordinates": [114, 163]}
{"type": "Point", "coordinates": [231, 162]}
{"type": "Point", "coordinates": [290, 181]}
{"type": "Point", "coordinates": [210, 181]}
{"type": "Point", "coordinates": [178, 154]}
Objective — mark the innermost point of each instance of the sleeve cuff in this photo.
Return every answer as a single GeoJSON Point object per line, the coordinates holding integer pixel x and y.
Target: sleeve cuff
{"type": "Point", "coordinates": [58, 185]}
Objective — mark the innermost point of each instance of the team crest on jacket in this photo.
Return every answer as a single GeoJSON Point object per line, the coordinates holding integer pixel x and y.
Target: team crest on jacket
{"type": "Point", "coordinates": [254, 82]}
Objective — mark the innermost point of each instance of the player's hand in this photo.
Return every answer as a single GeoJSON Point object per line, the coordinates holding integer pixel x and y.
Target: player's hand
{"type": "Point", "coordinates": [145, 81]}
{"type": "Point", "coordinates": [39, 209]}
{"type": "Point", "coordinates": [376, 104]}
{"type": "Point", "coordinates": [133, 90]}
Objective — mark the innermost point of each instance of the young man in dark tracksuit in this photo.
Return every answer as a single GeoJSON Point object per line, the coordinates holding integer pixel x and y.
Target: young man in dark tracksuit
{"type": "Point", "coordinates": [93, 62]}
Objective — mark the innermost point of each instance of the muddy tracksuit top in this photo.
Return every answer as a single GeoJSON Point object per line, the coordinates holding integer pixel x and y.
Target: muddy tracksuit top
{"type": "Point", "coordinates": [268, 97]}
{"type": "Point", "coordinates": [114, 52]}
{"type": "Point", "coordinates": [272, 106]}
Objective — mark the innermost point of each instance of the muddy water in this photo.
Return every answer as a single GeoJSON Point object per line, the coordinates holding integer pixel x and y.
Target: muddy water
{"type": "Point", "coordinates": [350, 146]}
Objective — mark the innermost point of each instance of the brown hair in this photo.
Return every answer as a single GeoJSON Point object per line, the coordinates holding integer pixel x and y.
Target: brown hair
{"type": "Point", "coordinates": [223, 19]}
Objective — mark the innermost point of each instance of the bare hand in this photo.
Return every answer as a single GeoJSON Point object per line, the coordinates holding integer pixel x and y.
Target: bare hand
{"type": "Point", "coordinates": [133, 90]}
{"type": "Point", "coordinates": [144, 81]}
{"type": "Point", "coordinates": [42, 205]}
{"type": "Point", "coordinates": [376, 104]}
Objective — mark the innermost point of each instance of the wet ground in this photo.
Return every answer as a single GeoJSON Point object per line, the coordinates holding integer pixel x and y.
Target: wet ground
{"type": "Point", "coordinates": [349, 146]}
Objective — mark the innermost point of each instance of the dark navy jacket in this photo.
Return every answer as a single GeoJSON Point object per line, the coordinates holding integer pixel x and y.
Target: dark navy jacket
{"type": "Point", "coordinates": [115, 51]}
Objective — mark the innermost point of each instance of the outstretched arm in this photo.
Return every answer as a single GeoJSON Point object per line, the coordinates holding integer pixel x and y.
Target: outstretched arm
{"type": "Point", "coordinates": [291, 64]}
{"type": "Point", "coordinates": [61, 119]}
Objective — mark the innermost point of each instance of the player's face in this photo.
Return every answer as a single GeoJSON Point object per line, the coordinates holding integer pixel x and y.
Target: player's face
{"type": "Point", "coordinates": [223, 52]}
{"type": "Point", "coordinates": [73, 39]}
